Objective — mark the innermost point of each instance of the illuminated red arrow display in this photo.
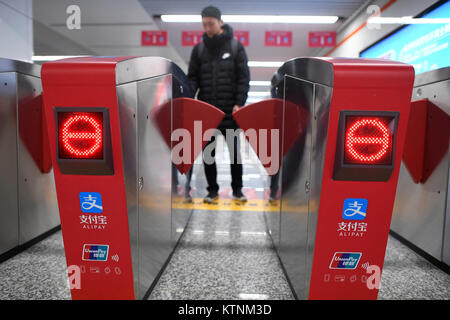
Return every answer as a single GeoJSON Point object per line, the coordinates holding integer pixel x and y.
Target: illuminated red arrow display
{"type": "Point", "coordinates": [368, 140]}
{"type": "Point", "coordinates": [80, 135]}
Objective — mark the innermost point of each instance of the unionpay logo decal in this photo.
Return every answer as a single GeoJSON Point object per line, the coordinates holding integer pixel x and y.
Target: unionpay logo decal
{"type": "Point", "coordinates": [345, 260]}
{"type": "Point", "coordinates": [95, 252]}
{"type": "Point", "coordinates": [354, 209]}
{"type": "Point", "coordinates": [91, 202]}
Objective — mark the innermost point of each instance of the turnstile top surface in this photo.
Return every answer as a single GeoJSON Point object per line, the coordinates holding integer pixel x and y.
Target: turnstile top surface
{"type": "Point", "coordinates": [432, 76]}
{"type": "Point", "coordinates": [122, 69]}
{"type": "Point", "coordinates": [9, 65]}
{"type": "Point", "coordinates": [127, 68]}
{"type": "Point", "coordinates": [327, 71]}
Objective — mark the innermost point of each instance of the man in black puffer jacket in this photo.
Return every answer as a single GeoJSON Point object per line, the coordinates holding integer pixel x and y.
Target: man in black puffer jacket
{"type": "Point", "coordinates": [218, 69]}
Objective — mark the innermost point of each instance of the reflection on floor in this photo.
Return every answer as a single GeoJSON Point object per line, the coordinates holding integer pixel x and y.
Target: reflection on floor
{"type": "Point", "coordinates": [224, 253]}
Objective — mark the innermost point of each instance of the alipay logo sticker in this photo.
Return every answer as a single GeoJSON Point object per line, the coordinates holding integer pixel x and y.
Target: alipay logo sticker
{"type": "Point", "coordinates": [354, 209]}
{"type": "Point", "coordinates": [91, 202]}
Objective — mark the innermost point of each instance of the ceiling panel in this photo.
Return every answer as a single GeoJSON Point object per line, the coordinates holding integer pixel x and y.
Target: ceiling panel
{"type": "Point", "coordinates": [256, 51]}
{"type": "Point", "coordinates": [114, 26]}
{"type": "Point", "coordinates": [297, 7]}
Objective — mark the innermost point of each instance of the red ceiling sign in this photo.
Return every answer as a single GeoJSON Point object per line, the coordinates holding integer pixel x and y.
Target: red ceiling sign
{"type": "Point", "coordinates": [154, 38]}
{"type": "Point", "coordinates": [242, 37]}
{"type": "Point", "coordinates": [278, 39]}
{"type": "Point", "coordinates": [321, 39]}
{"type": "Point", "coordinates": [191, 38]}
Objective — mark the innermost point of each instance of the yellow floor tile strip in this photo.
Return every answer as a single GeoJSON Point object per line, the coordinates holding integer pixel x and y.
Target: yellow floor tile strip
{"type": "Point", "coordinates": [227, 205]}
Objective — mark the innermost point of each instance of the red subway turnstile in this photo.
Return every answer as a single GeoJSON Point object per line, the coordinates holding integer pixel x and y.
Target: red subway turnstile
{"type": "Point", "coordinates": [109, 120]}
{"type": "Point", "coordinates": [339, 176]}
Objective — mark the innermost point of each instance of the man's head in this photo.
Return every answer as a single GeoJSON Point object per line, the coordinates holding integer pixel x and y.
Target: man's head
{"type": "Point", "coordinates": [212, 22]}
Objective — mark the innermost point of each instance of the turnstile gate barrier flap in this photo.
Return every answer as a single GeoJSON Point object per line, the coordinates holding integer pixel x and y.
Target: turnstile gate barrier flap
{"type": "Point", "coordinates": [263, 122]}
{"type": "Point", "coordinates": [196, 119]}
{"type": "Point", "coordinates": [427, 139]}
{"type": "Point", "coordinates": [337, 198]}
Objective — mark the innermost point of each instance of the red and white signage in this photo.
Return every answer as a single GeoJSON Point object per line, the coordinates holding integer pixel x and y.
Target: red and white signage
{"type": "Point", "coordinates": [191, 38]}
{"type": "Point", "coordinates": [242, 37]}
{"type": "Point", "coordinates": [369, 140]}
{"type": "Point", "coordinates": [278, 39]}
{"type": "Point", "coordinates": [157, 38]}
{"type": "Point", "coordinates": [321, 39]}
{"type": "Point", "coordinates": [80, 135]}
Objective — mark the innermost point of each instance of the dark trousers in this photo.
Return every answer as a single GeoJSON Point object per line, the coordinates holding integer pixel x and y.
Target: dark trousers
{"type": "Point", "coordinates": [236, 164]}
{"type": "Point", "coordinates": [274, 184]}
{"type": "Point", "coordinates": [187, 185]}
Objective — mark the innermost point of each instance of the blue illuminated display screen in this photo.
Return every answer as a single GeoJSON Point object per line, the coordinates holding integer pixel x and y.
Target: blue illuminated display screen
{"type": "Point", "coordinates": [425, 46]}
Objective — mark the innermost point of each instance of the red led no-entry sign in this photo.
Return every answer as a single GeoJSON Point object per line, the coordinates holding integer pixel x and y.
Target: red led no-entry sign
{"type": "Point", "coordinates": [80, 135]}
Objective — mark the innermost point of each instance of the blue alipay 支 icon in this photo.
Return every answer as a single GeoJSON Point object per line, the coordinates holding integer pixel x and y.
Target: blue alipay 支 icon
{"type": "Point", "coordinates": [354, 209]}
{"type": "Point", "coordinates": [91, 202]}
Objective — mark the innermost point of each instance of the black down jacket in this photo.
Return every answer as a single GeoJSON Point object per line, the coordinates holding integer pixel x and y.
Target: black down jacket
{"type": "Point", "coordinates": [221, 78]}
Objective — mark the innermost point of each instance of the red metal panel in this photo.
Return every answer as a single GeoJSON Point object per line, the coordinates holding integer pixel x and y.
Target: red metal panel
{"type": "Point", "coordinates": [427, 139]}
{"type": "Point", "coordinates": [266, 117]}
{"type": "Point", "coordinates": [90, 82]}
{"type": "Point", "coordinates": [33, 132]}
{"type": "Point", "coordinates": [359, 84]}
{"type": "Point", "coordinates": [413, 154]}
{"type": "Point", "coordinates": [46, 152]}
{"type": "Point", "coordinates": [437, 139]}
{"type": "Point", "coordinates": [192, 124]}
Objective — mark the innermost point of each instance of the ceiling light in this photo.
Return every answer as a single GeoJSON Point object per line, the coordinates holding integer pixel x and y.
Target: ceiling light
{"type": "Point", "coordinates": [253, 100]}
{"type": "Point", "coordinates": [265, 64]}
{"type": "Point", "coordinates": [260, 83]}
{"type": "Point", "coordinates": [258, 94]}
{"type": "Point", "coordinates": [253, 18]}
{"type": "Point", "coordinates": [181, 18]}
{"type": "Point", "coordinates": [279, 19]}
{"type": "Point", "coordinates": [53, 58]}
{"type": "Point", "coordinates": [407, 20]}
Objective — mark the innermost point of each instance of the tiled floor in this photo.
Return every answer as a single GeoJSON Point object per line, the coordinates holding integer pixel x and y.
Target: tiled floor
{"type": "Point", "coordinates": [38, 273]}
{"type": "Point", "coordinates": [224, 255]}
{"type": "Point", "coordinates": [407, 275]}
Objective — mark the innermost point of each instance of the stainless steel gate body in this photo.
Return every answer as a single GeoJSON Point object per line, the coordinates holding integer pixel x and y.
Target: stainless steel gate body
{"type": "Point", "coordinates": [27, 194]}
{"type": "Point", "coordinates": [147, 163]}
{"type": "Point", "coordinates": [302, 167]}
{"type": "Point", "coordinates": [421, 211]}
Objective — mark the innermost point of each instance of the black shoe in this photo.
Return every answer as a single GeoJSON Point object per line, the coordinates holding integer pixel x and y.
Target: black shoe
{"type": "Point", "coordinates": [239, 196]}
{"type": "Point", "coordinates": [273, 197]}
{"type": "Point", "coordinates": [210, 197]}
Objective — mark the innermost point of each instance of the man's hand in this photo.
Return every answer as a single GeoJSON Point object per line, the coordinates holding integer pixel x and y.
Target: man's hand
{"type": "Point", "coordinates": [236, 107]}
